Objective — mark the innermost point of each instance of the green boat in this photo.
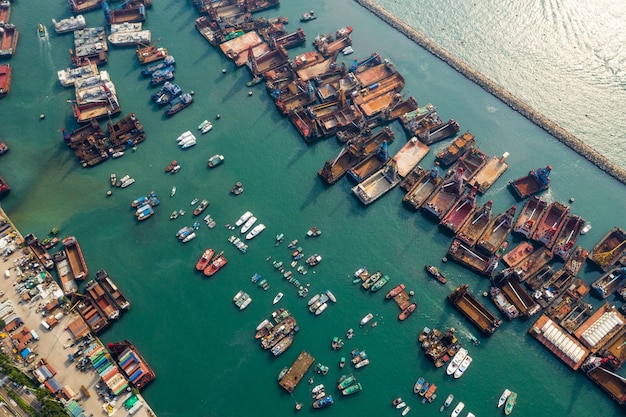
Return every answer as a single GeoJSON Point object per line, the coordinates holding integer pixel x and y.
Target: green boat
{"type": "Point", "coordinates": [352, 389]}
{"type": "Point", "coordinates": [510, 403]}
{"type": "Point", "coordinates": [379, 284]}
{"type": "Point", "coordinates": [349, 380]}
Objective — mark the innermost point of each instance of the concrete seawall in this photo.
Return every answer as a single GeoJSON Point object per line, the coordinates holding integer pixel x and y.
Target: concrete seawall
{"type": "Point", "coordinates": [490, 86]}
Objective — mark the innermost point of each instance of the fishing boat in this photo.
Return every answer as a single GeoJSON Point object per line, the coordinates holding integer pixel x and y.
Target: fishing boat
{"type": "Point", "coordinates": [395, 291]}
{"type": "Point", "coordinates": [216, 264]}
{"type": "Point", "coordinates": [313, 259]}
{"type": "Point", "coordinates": [476, 225]}
{"type": "Point", "coordinates": [379, 284]}
{"type": "Point", "coordinates": [308, 16]}
{"type": "Point", "coordinates": [237, 188]}
{"type": "Point", "coordinates": [323, 402]}
{"type": "Point", "coordinates": [447, 402]}
{"type": "Point", "coordinates": [215, 160]}
{"type": "Point", "coordinates": [179, 103]}
{"type": "Point", "coordinates": [550, 224]}
{"type": "Point", "coordinates": [418, 385]}
{"type": "Point", "coordinates": [457, 410]}
{"type": "Point", "coordinates": [277, 298]}
{"type": "Point", "coordinates": [366, 319]}
{"type": "Point", "coordinates": [201, 207]}
{"type": "Point", "coordinates": [256, 230]}
{"type": "Point", "coordinates": [5, 79]}
{"type": "Point", "coordinates": [406, 312]}
{"type": "Point", "coordinates": [536, 181]}
{"type": "Point", "coordinates": [205, 259]}
{"type": "Point", "coordinates": [434, 271]}
{"type": "Point", "coordinates": [313, 232]}
{"type": "Point", "coordinates": [371, 280]}
{"type": "Point", "coordinates": [510, 403]}
{"type": "Point", "coordinates": [397, 401]}
{"type": "Point", "coordinates": [346, 382]}
{"type": "Point", "coordinates": [504, 397]}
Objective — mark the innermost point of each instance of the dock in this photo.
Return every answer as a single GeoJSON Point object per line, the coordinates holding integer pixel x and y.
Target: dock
{"type": "Point", "coordinates": [296, 371]}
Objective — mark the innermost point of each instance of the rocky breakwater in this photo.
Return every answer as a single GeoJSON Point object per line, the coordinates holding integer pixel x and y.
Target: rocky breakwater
{"type": "Point", "coordinates": [492, 87]}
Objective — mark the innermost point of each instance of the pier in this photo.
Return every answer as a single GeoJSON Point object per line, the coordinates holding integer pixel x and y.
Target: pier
{"type": "Point", "coordinates": [497, 91]}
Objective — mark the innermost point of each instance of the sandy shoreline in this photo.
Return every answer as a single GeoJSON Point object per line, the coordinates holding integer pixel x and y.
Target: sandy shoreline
{"type": "Point", "coordinates": [497, 91]}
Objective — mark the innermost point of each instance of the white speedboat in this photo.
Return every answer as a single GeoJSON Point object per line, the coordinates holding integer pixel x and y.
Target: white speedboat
{"type": "Point", "coordinates": [366, 319]}
{"type": "Point", "coordinates": [456, 361]}
{"type": "Point", "coordinates": [457, 410]}
{"type": "Point", "coordinates": [238, 296]}
{"type": "Point", "coordinates": [585, 229]}
{"type": "Point", "coordinates": [463, 366]}
{"type": "Point", "coordinates": [206, 128]}
{"type": "Point", "coordinates": [277, 298]}
{"type": "Point", "coordinates": [184, 135]}
{"type": "Point", "coordinates": [321, 309]}
{"type": "Point", "coordinates": [204, 123]}
{"type": "Point", "coordinates": [248, 224]}
{"type": "Point", "coordinates": [188, 144]}
{"type": "Point", "coordinates": [347, 50]}
{"type": "Point", "coordinates": [173, 191]}
{"type": "Point", "coordinates": [244, 218]}
{"type": "Point", "coordinates": [245, 303]}
{"type": "Point", "coordinates": [406, 410]}
{"type": "Point", "coordinates": [503, 397]}
{"type": "Point", "coordinates": [331, 296]}
{"type": "Point", "coordinates": [255, 231]}
{"type": "Point", "coordinates": [314, 299]}
{"type": "Point", "coordinates": [191, 236]}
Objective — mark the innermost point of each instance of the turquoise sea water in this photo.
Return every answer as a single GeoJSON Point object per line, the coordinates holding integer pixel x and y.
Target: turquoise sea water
{"type": "Point", "coordinates": [202, 349]}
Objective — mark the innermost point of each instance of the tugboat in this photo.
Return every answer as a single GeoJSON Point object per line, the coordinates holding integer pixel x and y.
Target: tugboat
{"type": "Point", "coordinates": [432, 270]}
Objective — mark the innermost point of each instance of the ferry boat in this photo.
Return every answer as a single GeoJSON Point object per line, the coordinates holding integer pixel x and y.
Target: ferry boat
{"type": "Point", "coordinates": [102, 300]}
{"type": "Point", "coordinates": [395, 291]}
{"type": "Point", "coordinates": [528, 219]}
{"type": "Point", "coordinates": [460, 212]}
{"type": "Point", "coordinates": [112, 290]}
{"type": "Point", "coordinates": [536, 181]}
{"type": "Point", "coordinates": [550, 224]}
{"type": "Point", "coordinates": [217, 263]}
{"type": "Point", "coordinates": [476, 225]}
{"type": "Point", "coordinates": [609, 249]}
{"type": "Point", "coordinates": [565, 241]}
{"type": "Point", "coordinates": [75, 258]}
{"type": "Point", "coordinates": [66, 278]}
{"type": "Point", "coordinates": [5, 79]}
{"type": "Point", "coordinates": [435, 273]}
{"type": "Point", "coordinates": [135, 367]}
{"type": "Point", "coordinates": [446, 195]}
{"type": "Point", "coordinates": [457, 148]}
{"type": "Point", "coordinates": [474, 310]}
{"type": "Point", "coordinates": [497, 232]}
{"type": "Point", "coordinates": [204, 260]}
{"type": "Point", "coordinates": [40, 252]}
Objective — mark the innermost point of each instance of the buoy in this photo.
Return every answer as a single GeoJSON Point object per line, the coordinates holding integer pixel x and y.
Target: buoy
{"type": "Point", "coordinates": [485, 293]}
{"type": "Point", "coordinates": [192, 92]}
{"type": "Point", "coordinates": [217, 116]}
{"type": "Point", "coordinates": [298, 406]}
{"type": "Point", "coordinates": [411, 293]}
{"type": "Point", "coordinates": [223, 70]}
{"type": "Point", "coordinates": [249, 93]}
{"type": "Point", "coordinates": [444, 259]}
{"type": "Point", "coordinates": [42, 116]}
{"type": "Point", "coordinates": [109, 193]}
{"type": "Point", "coordinates": [571, 199]}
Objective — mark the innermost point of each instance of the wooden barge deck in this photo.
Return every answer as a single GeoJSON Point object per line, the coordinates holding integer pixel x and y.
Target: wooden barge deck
{"type": "Point", "coordinates": [528, 219]}
{"type": "Point", "coordinates": [533, 263]}
{"type": "Point", "coordinates": [478, 314]}
{"type": "Point", "coordinates": [559, 342]}
{"type": "Point", "coordinates": [472, 259]}
{"type": "Point", "coordinates": [518, 296]}
{"type": "Point", "coordinates": [489, 173]}
{"type": "Point", "coordinates": [296, 371]}
{"type": "Point", "coordinates": [475, 226]}
{"type": "Point", "coordinates": [409, 156]}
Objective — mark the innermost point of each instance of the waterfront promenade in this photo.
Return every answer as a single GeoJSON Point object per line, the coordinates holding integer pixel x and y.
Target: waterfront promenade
{"type": "Point", "coordinates": [54, 344]}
